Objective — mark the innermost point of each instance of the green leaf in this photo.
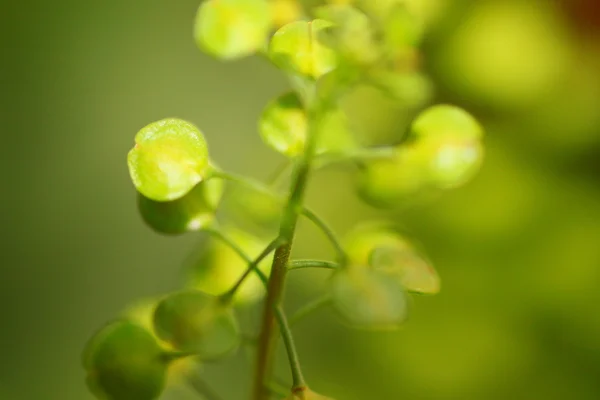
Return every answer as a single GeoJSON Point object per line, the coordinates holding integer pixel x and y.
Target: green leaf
{"type": "Point", "coordinates": [197, 322]}
{"type": "Point", "coordinates": [216, 267]}
{"type": "Point", "coordinates": [446, 121]}
{"type": "Point", "coordinates": [367, 298]}
{"type": "Point", "coordinates": [170, 157]}
{"type": "Point", "coordinates": [283, 126]}
{"type": "Point", "coordinates": [295, 48]}
{"type": "Point", "coordinates": [193, 211]}
{"type": "Point", "coordinates": [230, 29]}
{"type": "Point", "coordinates": [124, 361]}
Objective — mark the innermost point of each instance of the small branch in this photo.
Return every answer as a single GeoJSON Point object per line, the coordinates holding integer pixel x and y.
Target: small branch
{"type": "Point", "coordinates": [301, 264]}
{"type": "Point", "coordinates": [308, 309]}
{"type": "Point", "coordinates": [248, 182]}
{"type": "Point", "coordinates": [288, 340]}
{"type": "Point", "coordinates": [218, 234]}
{"type": "Point", "coordinates": [326, 229]}
{"type": "Point", "coordinates": [359, 155]}
{"type": "Point", "coordinates": [253, 267]}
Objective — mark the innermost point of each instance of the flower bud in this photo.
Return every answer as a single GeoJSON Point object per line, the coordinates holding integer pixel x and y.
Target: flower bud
{"type": "Point", "coordinates": [295, 48]}
{"type": "Point", "coordinates": [124, 361]}
{"type": "Point", "coordinates": [193, 211]}
{"type": "Point", "coordinates": [367, 298]}
{"type": "Point", "coordinates": [170, 157]}
{"type": "Point", "coordinates": [385, 250]}
{"type": "Point", "coordinates": [196, 322]}
{"type": "Point", "coordinates": [230, 29]}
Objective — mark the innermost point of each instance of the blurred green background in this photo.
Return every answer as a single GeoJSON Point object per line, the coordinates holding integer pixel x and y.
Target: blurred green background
{"type": "Point", "coordinates": [518, 248]}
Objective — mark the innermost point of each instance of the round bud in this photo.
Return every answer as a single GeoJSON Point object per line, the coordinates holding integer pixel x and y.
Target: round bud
{"type": "Point", "coordinates": [229, 29]}
{"type": "Point", "coordinates": [295, 48]}
{"type": "Point", "coordinates": [192, 212]}
{"type": "Point", "coordinates": [250, 209]}
{"type": "Point", "coordinates": [170, 157]}
{"type": "Point", "coordinates": [351, 35]}
{"type": "Point", "coordinates": [449, 162]}
{"type": "Point", "coordinates": [124, 361]}
{"type": "Point", "coordinates": [380, 247]}
{"type": "Point", "coordinates": [285, 11]}
{"type": "Point", "coordinates": [446, 121]}
{"type": "Point", "coordinates": [217, 267]}
{"type": "Point", "coordinates": [411, 89]}
{"type": "Point", "coordinates": [196, 322]}
{"type": "Point", "coordinates": [366, 298]}
{"type": "Point", "coordinates": [360, 242]}
{"type": "Point", "coordinates": [283, 126]}
{"type": "Point", "coordinates": [390, 182]}
{"type": "Point", "coordinates": [402, 28]}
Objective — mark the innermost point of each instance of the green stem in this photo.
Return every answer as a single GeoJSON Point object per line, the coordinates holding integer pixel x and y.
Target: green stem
{"type": "Point", "coordinates": [268, 333]}
{"type": "Point", "coordinates": [331, 235]}
{"type": "Point", "coordinates": [218, 234]}
{"type": "Point", "coordinates": [248, 182]}
{"type": "Point", "coordinates": [309, 214]}
{"type": "Point", "coordinates": [300, 264]}
{"type": "Point", "coordinates": [252, 267]}
{"type": "Point", "coordinates": [359, 155]}
{"type": "Point", "coordinates": [308, 309]}
{"type": "Point", "coordinates": [298, 381]}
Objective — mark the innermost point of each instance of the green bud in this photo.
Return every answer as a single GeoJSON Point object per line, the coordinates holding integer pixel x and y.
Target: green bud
{"type": "Point", "coordinates": [446, 121]}
{"type": "Point", "coordinates": [283, 126]}
{"type": "Point", "coordinates": [382, 248]}
{"type": "Point", "coordinates": [229, 29]}
{"type": "Point", "coordinates": [216, 268]}
{"type": "Point", "coordinates": [360, 242]}
{"type": "Point", "coordinates": [170, 157]}
{"type": "Point", "coordinates": [351, 35]}
{"type": "Point", "coordinates": [366, 298]}
{"type": "Point", "coordinates": [390, 182]}
{"type": "Point", "coordinates": [449, 162]}
{"type": "Point", "coordinates": [124, 361]}
{"type": "Point", "coordinates": [196, 322]}
{"type": "Point", "coordinates": [402, 28]}
{"type": "Point", "coordinates": [250, 208]}
{"type": "Point", "coordinates": [295, 48]}
{"type": "Point", "coordinates": [411, 89]}
{"type": "Point", "coordinates": [193, 211]}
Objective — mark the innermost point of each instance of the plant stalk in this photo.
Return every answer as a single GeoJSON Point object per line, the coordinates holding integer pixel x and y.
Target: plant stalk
{"type": "Point", "coordinates": [269, 329]}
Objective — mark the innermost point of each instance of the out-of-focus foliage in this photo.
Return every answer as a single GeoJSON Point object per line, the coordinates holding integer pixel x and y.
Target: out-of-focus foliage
{"type": "Point", "coordinates": [516, 249]}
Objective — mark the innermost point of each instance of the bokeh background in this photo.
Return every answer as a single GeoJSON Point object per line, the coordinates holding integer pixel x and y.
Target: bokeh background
{"type": "Point", "coordinates": [518, 248]}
